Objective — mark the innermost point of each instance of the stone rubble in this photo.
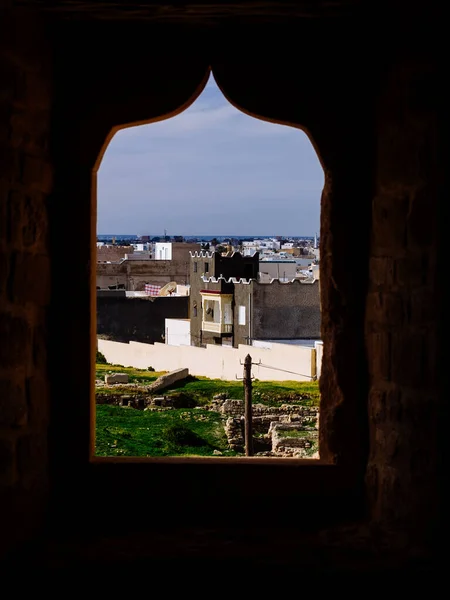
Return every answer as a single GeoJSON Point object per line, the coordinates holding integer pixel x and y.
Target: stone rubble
{"type": "Point", "coordinates": [271, 424]}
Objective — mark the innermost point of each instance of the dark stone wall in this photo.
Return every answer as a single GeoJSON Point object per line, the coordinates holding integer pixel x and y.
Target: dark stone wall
{"type": "Point", "coordinates": [380, 135]}
{"type": "Point", "coordinates": [26, 177]}
{"type": "Point", "coordinates": [405, 298]}
{"type": "Point", "coordinates": [138, 319]}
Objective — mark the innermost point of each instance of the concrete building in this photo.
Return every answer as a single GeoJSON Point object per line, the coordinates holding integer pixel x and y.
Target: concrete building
{"type": "Point", "coordinates": [112, 253]}
{"type": "Point", "coordinates": [276, 310]}
{"type": "Point", "coordinates": [137, 269]}
{"type": "Point", "coordinates": [234, 310]}
{"type": "Point", "coordinates": [174, 250]}
{"type": "Point", "coordinates": [282, 269]}
{"type": "Point", "coordinates": [210, 304]}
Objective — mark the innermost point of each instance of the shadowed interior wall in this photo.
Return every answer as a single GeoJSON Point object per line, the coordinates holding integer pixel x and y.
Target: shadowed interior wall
{"type": "Point", "coordinates": [25, 183]}
{"type": "Point", "coordinates": [379, 134]}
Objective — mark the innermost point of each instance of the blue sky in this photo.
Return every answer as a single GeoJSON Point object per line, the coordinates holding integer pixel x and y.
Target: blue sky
{"type": "Point", "coordinates": [211, 170]}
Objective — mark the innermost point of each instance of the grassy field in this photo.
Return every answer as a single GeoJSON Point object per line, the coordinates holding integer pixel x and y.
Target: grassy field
{"type": "Point", "coordinates": [203, 389]}
{"type": "Point", "coordinates": [181, 432]}
{"type": "Point", "coordinates": [141, 376]}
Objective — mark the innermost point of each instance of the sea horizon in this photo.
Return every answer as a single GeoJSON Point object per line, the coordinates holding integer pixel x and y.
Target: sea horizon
{"type": "Point", "coordinates": [200, 237]}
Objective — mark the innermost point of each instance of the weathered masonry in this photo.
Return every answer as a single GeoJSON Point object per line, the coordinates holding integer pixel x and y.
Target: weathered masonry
{"type": "Point", "coordinates": [365, 81]}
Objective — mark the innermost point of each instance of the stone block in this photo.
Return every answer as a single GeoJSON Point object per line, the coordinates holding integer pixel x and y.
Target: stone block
{"type": "Point", "coordinates": [31, 279]}
{"type": "Point", "coordinates": [411, 271]}
{"type": "Point", "coordinates": [6, 461]}
{"type": "Point", "coordinates": [381, 271]}
{"type": "Point", "coordinates": [38, 399]}
{"type": "Point", "coordinates": [116, 378]}
{"type": "Point", "coordinates": [4, 264]}
{"type": "Point", "coordinates": [423, 306]}
{"type": "Point", "coordinates": [409, 359]}
{"type": "Point", "coordinates": [13, 404]}
{"type": "Point", "coordinates": [31, 454]}
{"type": "Point", "coordinates": [37, 174]}
{"type": "Point", "coordinates": [379, 353]}
{"type": "Point", "coordinates": [385, 309]}
{"type": "Point", "coordinates": [14, 219]}
{"type": "Point", "coordinates": [419, 212]}
{"type": "Point", "coordinates": [168, 379]}
{"type": "Point", "coordinates": [34, 226]}
{"type": "Point", "coordinates": [15, 340]}
{"type": "Point", "coordinates": [389, 222]}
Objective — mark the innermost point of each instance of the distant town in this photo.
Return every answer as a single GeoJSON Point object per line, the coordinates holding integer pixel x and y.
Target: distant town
{"type": "Point", "coordinates": [242, 273]}
{"type": "Point", "coordinates": [197, 307]}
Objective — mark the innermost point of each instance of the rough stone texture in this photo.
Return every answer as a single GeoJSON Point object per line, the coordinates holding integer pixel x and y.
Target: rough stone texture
{"type": "Point", "coordinates": [167, 379]}
{"type": "Point", "coordinates": [25, 182]}
{"type": "Point", "coordinates": [235, 408]}
{"type": "Point", "coordinates": [402, 302]}
{"type": "Point", "coordinates": [116, 378]}
{"type": "Point", "coordinates": [112, 253]}
{"type": "Point", "coordinates": [283, 443]}
{"type": "Point", "coordinates": [279, 310]}
{"type": "Point", "coordinates": [379, 132]}
{"type": "Point", "coordinates": [134, 274]}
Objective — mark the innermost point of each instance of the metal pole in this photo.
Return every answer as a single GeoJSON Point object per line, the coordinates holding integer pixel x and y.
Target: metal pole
{"type": "Point", "coordinates": [248, 405]}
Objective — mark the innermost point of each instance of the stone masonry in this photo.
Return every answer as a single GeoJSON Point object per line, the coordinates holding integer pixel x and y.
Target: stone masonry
{"type": "Point", "coordinates": [273, 425]}
{"type": "Point", "coordinates": [26, 179]}
{"type": "Point", "coordinates": [380, 134]}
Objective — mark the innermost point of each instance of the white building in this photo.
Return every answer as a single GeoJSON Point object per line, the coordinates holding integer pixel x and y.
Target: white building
{"type": "Point", "coordinates": [141, 247]}
{"type": "Point", "coordinates": [163, 251]}
{"type": "Point", "coordinates": [262, 246]}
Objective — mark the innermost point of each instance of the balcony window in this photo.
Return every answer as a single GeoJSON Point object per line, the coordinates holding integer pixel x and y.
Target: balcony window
{"type": "Point", "coordinates": [217, 313]}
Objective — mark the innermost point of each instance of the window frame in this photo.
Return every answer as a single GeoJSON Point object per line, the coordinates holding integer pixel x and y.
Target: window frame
{"type": "Point", "coordinates": [322, 480]}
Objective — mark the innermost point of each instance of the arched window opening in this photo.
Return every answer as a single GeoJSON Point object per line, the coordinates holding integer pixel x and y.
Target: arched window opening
{"type": "Point", "coordinates": [207, 251]}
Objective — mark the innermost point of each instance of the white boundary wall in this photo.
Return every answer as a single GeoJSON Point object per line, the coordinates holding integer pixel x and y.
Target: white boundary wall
{"type": "Point", "coordinates": [282, 362]}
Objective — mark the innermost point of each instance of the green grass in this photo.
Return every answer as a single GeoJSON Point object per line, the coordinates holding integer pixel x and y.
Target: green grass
{"type": "Point", "coordinates": [181, 432]}
{"type": "Point", "coordinates": [202, 389]}
{"type": "Point", "coordinates": [295, 433]}
{"type": "Point", "coordinates": [272, 393]}
{"type": "Point", "coordinates": [141, 376]}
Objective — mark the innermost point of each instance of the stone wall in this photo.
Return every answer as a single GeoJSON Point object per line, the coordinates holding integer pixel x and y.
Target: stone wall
{"type": "Point", "coordinates": [138, 319]}
{"type": "Point", "coordinates": [404, 296]}
{"type": "Point", "coordinates": [283, 310]}
{"type": "Point", "coordinates": [26, 179]}
{"type": "Point", "coordinates": [269, 425]}
{"type": "Point", "coordinates": [235, 408]}
{"type": "Point", "coordinates": [381, 137]}
{"type": "Point", "coordinates": [134, 274]}
{"type": "Point", "coordinates": [113, 253]}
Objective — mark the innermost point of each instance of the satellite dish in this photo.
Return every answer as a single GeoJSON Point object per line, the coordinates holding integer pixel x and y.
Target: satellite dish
{"type": "Point", "coordinates": [168, 289]}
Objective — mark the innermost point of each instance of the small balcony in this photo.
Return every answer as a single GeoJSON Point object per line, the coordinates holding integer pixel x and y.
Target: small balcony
{"type": "Point", "coordinates": [217, 313]}
{"type": "Point", "coordinates": [217, 327]}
